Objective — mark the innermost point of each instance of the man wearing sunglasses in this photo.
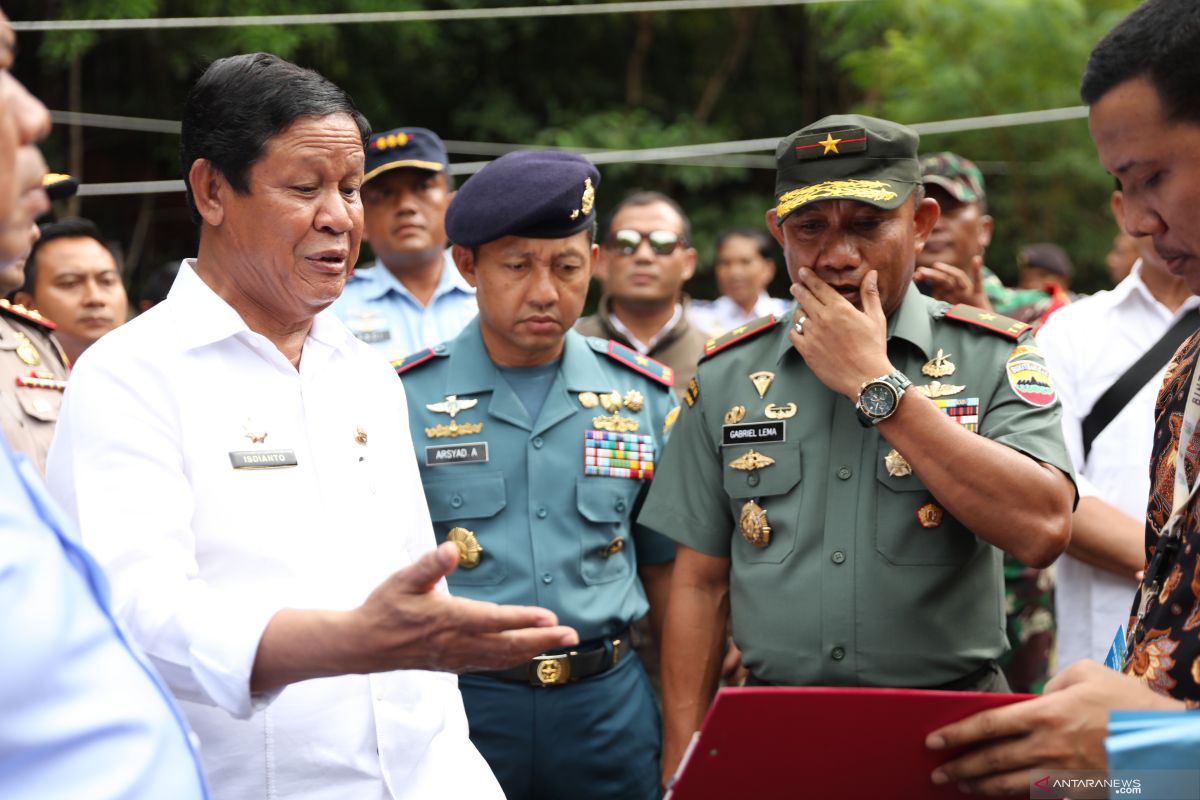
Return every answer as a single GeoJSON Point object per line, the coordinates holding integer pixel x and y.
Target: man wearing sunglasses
{"type": "Point", "coordinates": [644, 261]}
{"type": "Point", "coordinates": [841, 482]}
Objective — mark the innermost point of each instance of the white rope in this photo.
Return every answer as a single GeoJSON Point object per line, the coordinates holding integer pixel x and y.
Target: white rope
{"type": "Point", "coordinates": [377, 17]}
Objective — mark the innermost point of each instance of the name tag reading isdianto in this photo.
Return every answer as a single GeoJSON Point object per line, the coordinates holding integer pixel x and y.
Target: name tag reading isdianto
{"type": "Point", "coordinates": [753, 433]}
{"type": "Point", "coordinates": [262, 459]}
{"type": "Point", "coordinates": [465, 453]}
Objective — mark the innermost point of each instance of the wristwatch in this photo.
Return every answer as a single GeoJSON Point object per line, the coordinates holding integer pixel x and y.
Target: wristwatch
{"type": "Point", "coordinates": [878, 399]}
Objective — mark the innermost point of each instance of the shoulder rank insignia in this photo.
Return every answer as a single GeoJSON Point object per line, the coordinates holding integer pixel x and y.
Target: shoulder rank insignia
{"type": "Point", "coordinates": [627, 356]}
{"type": "Point", "coordinates": [738, 334]}
{"type": "Point", "coordinates": [27, 314]}
{"type": "Point", "coordinates": [1005, 326]}
{"type": "Point", "coordinates": [403, 365]}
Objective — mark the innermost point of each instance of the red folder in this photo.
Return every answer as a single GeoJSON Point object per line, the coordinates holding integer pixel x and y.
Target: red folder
{"type": "Point", "coordinates": [815, 742]}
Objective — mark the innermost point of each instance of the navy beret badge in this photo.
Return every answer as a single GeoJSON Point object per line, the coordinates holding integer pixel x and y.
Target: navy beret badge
{"type": "Point", "coordinates": [587, 201]}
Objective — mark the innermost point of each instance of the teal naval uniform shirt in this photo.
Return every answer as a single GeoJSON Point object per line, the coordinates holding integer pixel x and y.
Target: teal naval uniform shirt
{"type": "Point", "coordinates": [866, 580]}
{"type": "Point", "coordinates": [551, 534]}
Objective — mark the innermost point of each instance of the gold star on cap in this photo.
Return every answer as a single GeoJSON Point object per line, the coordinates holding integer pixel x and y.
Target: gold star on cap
{"type": "Point", "coordinates": [830, 144]}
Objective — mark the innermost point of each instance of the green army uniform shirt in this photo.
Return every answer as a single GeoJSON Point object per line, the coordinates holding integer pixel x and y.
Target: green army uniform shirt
{"type": "Point", "coordinates": [866, 581]}
{"type": "Point", "coordinates": [552, 535]}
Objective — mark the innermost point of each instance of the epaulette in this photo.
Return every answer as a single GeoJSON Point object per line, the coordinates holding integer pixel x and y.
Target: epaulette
{"type": "Point", "coordinates": [739, 334]}
{"type": "Point", "coordinates": [403, 365]}
{"type": "Point", "coordinates": [27, 314]}
{"type": "Point", "coordinates": [628, 357]}
{"type": "Point", "coordinates": [1007, 327]}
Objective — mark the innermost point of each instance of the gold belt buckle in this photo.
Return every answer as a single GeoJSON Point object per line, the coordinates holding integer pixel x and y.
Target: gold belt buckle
{"type": "Point", "coordinates": [551, 670]}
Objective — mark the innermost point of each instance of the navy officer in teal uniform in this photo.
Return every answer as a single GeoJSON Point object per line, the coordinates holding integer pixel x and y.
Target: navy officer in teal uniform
{"type": "Point", "coordinates": [536, 446]}
{"type": "Point", "coordinates": [843, 480]}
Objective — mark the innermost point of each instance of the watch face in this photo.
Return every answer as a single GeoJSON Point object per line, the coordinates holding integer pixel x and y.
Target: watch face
{"type": "Point", "coordinates": [878, 400]}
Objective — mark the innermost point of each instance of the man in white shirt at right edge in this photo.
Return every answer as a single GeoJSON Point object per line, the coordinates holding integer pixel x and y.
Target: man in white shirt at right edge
{"type": "Point", "coordinates": [1089, 345]}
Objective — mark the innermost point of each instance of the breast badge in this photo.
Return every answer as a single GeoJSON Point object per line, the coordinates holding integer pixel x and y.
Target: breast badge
{"type": "Point", "coordinates": [751, 460]}
{"type": "Point", "coordinates": [939, 389]}
{"type": "Point", "coordinates": [589, 399]}
{"type": "Point", "coordinates": [633, 400]}
{"type": "Point", "coordinates": [939, 366]}
{"type": "Point", "coordinates": [26, 351]}
{"type": "Point", "coordinates": [360, 435]}
{"type": "Point", "coordinates": [753, 523]}
{"type": "Point", "coordinates": [773, 411]}
{"type": "Point", "coordinates": [735, 415]}
{"type": "Point", "coordinates": [762, 381]}
{"type": "Point", "coordinates": [672, 415]}
{"type": "Point", "coordinates": [255, 433]}
{"type": "Point", "coordinates": [930, 515]}
{"type": "Point", "coordinates": [452, 405]}
{"type": "Point", "coordinates": [470, 551]}
{"type": "Point", "coordinates": [897, 465]}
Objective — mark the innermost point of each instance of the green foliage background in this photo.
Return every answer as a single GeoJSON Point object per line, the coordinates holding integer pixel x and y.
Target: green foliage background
{"type": "Point", "coordinates": [619, 81]}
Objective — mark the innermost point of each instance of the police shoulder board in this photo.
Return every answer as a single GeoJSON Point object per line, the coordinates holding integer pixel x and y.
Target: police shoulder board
{"type": "Point", "coordinates": [628, 357]}
{"type": "Point", "coordinates": [739, 334]}
{"type": "Point", "coordinates": [1007, 327]}
{"type": "Point", "coordinates": [18, 311]}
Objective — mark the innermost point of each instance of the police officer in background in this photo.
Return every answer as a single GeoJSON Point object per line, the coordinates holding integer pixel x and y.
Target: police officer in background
{"type": "Point", "coordinates": [843, 481]}
{"type": "Point", "coordinates": [33, 366]}
{"type": "Point", "coordinates": [536, 445]}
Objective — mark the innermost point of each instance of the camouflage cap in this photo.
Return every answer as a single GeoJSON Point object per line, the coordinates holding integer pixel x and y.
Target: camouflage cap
{"type": "Point", "coordinates": [846, 157]}
{"type": "Point", "coordinates": [957, 175]}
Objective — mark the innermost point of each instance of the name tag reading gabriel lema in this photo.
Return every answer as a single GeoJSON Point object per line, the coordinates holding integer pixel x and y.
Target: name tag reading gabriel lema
{"type": "Point", "coordinates": [465, 453]}
{"type": "Point", "coordinates": [262, 459]}
{"type": "Point", "coordinates": [754, 433]}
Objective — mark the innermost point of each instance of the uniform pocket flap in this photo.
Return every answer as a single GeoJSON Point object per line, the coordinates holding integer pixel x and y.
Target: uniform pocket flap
{"type": "Point", "coordinates": [744, 477]}
{"type": "Point", "coordinates": [483, 496]}
{"type": "Point", "coordinates": [602, 499]}
{"type": "Point", "coordinates": [41, 404]}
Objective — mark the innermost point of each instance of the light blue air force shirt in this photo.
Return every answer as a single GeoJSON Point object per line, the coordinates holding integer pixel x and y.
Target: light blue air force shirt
{"type": "Point", "coordinates": [81, 713]}
{"type": "Point", "coordinates": [381, 311]}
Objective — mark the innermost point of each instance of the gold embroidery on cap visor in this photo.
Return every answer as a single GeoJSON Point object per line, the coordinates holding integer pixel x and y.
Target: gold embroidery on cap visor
{"type": "Point", "coordinates": [871, 191]}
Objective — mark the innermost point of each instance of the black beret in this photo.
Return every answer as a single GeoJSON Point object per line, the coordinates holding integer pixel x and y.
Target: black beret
{"type": "Point", "coordinates": [540, 194]}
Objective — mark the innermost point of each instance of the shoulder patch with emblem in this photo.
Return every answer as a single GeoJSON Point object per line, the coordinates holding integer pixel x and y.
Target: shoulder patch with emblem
{"type": "Point", "coordinates": [1030, 378]}
{"type": "Point", "coordinates": [403, 365]}
{"type": "Point", "coordinates": [25, 314]}
{"type": "Point", "coordinates": [988, 320]}
{"type": "Point", "coordinates": [628, 357]}
{"type": "Point", "coordinates": [739, 334]}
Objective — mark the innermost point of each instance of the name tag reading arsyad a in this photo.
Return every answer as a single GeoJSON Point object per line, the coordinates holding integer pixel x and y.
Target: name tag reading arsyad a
{"type": "Point", "coordinates": [465, 453]}
{"type": "Point", "coordinates": [754, 433]}
{"type": "Point", "coordinates": [262, 459]}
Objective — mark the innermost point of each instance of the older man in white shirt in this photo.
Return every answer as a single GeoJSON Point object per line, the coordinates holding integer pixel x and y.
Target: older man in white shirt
{"type": "Point", "coordinates": [241, 466]}
{"type": "Point", "coordinates": [1089, 345]}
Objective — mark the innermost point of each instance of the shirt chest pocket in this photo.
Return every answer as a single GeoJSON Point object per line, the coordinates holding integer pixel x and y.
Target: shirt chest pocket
{"type": "Point", "coordinates": [475, 506]}
{"type": "Point", "coordinates": [606, 504]}
{"type": "Point", "coordinates": [911, 528]}
{"type": "Point", "coordinates": [39, 404]}
{"type": "Point", "coordinates": [774, 487]}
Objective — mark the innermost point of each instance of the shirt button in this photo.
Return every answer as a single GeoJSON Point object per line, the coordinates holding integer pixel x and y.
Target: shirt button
{"type": "Point", "coordinates": [547, 578]}
{"type": "Point", "coordinates": [837, 653]}
{"type": "Point", "coordinates": [844, 473]}
{"type": "Point", "coordinates": [537, 442]}
{"type": "Point", "coordinates": [541, 513]}
{"type": "Point", "coordinates": [456, 501]}
{"type": "Point", "coordinates": [619, 506]}
{"type": "Point", "coordinates": [838, 557]}
{"type": "Point", "coordinates": [752, 480]}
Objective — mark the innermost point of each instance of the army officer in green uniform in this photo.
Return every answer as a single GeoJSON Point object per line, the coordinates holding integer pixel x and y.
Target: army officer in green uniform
{"type": "Point", "coordinates": [843, 481]}
{"type": "Point", "coordinates": [536, 445]}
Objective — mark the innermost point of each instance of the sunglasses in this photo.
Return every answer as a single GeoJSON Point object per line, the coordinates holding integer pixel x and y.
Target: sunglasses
{"type": "Point", "coordinates": [626, 241]}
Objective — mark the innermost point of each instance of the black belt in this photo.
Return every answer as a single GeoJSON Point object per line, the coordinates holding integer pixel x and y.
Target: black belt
{"type": "Point", "coordinates": [966, 683]}
{"type": "Point", "coordinates": [557, 669]}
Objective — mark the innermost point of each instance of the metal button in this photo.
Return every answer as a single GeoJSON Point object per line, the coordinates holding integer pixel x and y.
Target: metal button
{"type": "Point", "coordinates": [542, 513]}
{"type": "Point", "coordinates": [547, 578]}
{"type": "Point", "coordinates": [838, 557]}
{"type": "Point", "coordinates": [439, 348]}
{"type": "Point", "coordinates": [619, 506]}
{"type": "Point", "coordinates": [844, 473]}
{"type": "Point", "coordinates": [456, 501]}
{"type": "Point", "coordinates": [537, 442]}
{"type": "Point", "coordinates": [614, 547]}
{"type": "Point", "coordinates": [752, 479]}
{"type": "Point", "coordinates": [837, 653]}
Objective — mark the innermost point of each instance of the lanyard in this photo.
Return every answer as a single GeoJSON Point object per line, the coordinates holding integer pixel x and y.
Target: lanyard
{"type": "Point", "coordinates": [1171, 536]}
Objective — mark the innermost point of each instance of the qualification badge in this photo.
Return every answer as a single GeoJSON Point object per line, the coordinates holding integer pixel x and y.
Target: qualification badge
{"type": "Point", "coordinates": [589, 399]}
{"type": "Point", "coordinates": [935, 389]}
{"type": "Point", "coordinates": [360, 435]}
{"type": "Point", "coordinates": [452, 405]}
{"type": "Point", "coordinates": [939, 366]}
{"type": "Point", "coordinates": [773, 411]}
{"type": "Point", "coordinates": [751, 460]}
{"type": "Point", "coordinates": [753, 523]}
{"type": "Point", "coordinates": [633, 400]}
{"type": "Point", "coordinates": [762, 382]}
{"type": "Point", "coordinates": [470, 551]}
{"type": "Point", "coordinates": [26, 351]}
{"type": "Point", "coordinates": [255, 434]}
{"type": "Point", "coordinates": [897, 465]}
{"type": "Point", "coordinates": [735, 415]}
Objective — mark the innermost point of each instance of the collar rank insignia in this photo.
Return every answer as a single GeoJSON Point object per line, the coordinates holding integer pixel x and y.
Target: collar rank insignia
{"type": "Point", "coordinates": [831, 143]}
